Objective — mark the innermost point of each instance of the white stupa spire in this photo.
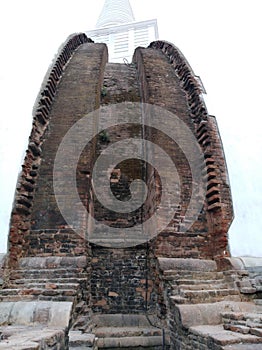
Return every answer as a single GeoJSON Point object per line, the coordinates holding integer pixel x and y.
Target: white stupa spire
{"type": "Point", "coordinates": [115, 12]}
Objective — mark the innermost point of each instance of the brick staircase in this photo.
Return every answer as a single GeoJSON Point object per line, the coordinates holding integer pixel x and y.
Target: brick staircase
{"type": "Point", "coordinates": [207, 307]}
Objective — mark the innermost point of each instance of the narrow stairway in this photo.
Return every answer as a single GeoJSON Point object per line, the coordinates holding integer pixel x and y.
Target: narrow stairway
{"type": "Point", "coordinates": [116, 331]}
{"type": "Point", "coordinates": [46, 278]}
{"type": "Point", "coordinates": [208, 307]}
{"type": "Point", "coordinates": [47, 282]}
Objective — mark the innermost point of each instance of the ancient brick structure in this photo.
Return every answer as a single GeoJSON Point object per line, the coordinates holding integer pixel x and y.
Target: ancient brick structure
{"type": "Point", "coordinates": [178, 289]}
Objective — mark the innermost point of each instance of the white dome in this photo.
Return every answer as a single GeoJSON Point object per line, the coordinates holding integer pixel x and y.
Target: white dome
{"type": "Point", "coordinates": [115, 12]}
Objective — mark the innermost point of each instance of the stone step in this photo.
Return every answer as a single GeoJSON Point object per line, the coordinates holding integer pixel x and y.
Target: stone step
{"type": "Point", "coordinates": [33, 297]}
{"type": "Point", "coordinates": [28, 294]}
{"type": "Point", "coordinates": [47, 273]}
{"type": "Point", "coordinates": [83, 322]}
{"type": "Point", "coordinates": [204, 286]}
{"type": "Point", "coordinates": [207, 294]}
{"type": "Point", "coordinates": [218, 338]}
{"type": "Point", "coordinates": [70, 280]}
{"type": "Point", "coordinates": [241, 346]}
{"type": "Point", "coordinates": [47, 285]}
{"type": "Point", "coordinates": [186, 264]}
{"type": "Point", "coordinates": [243, 273]}
{"type": "Point", "coordinates": [53, 262]}
{"type": "Point", "coordinates": [250, 319]}
{"type": "Point", "coordinates": [177, 299]}
{"type": "Point", "coordinates": [83, 347]}
{"type": "Point", "coordinates": [115, 331]}
{"type": "Point", "coordinates": [79, 340]}
{"type": "Point", "coordinates": [120, 320]}
{"type": "Point", "coordinates": [152, 342]}
{"type": "Point", "coordinates": [119, 332]}
{"type": "Point", "coordinates": [192, 275]}
{"type": "Point", "coordinates": [28, 337]}
{"type": "Point", "coordinates": [195, 297]}
{"type": "Point", "coordinates": [38, 291]}
{"type": "Point", "coordinates": [198, 281]}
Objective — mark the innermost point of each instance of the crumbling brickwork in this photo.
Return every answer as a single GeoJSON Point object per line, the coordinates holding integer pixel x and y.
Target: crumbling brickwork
{"type": "Point", "coordinates": [27, 185]}
{"type": "Point", "coordinates": [104, 275]}
{"type": "Point", "coordinates": [120, 281]}
{"type": "Point", "coordinates": [159, 75]}
{"type": "Point", "coordinates": [219, 208]}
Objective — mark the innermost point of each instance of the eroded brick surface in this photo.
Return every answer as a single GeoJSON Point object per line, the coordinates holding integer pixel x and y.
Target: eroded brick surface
{"type": "Point", "coordinates": [49, 261]}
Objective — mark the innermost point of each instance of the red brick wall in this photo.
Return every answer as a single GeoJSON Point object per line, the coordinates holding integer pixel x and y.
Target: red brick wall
{"type": "Point", "coordinates": [166, 80]}
{"type": "Point", "coordinates": [34, 203]}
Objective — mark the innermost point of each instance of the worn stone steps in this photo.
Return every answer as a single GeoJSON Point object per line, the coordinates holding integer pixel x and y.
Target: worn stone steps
{"type": "Point", "coordinates": [192, 282]}
{"type": "Point", "coordinates": [204, 293]}
{"type": "Point", "coordinates": [243, 322]}
{"type": "Point", "coordinates": [28, 325]}
{"type": "Point", "coordinates": [48, 278]}
{"type": "Point", "coordinates": [203, 286]}
{"type": "Point", "coordinates": [31, 338]}
{"type": "Point", "coordinates": [38, 291]}
{"type": "Point", "coordinates": [151, 342]}
{"type": "Point", "coordinates": [245, 316]}
{"type": "Point", "coordinates": [48, 273]}
{"type": "Point", "coordinates": [45, 285]}
{"type": "Point", "coordinates": [115, 331]}
{"type": "Point", "coordinates": [33, 297]}
{"type": "Point", "coordinates": [81, 347]}
{"type": "Point", "coordinates": [84, 347]}
{"type": "Point", "coordinates": [207, 324]}
{"type": "Point", "coordinates": [197, 281]}
{"type": "Point", "coordinates": [118, 332]}
{"type": "Point", "coordinates": [192, 275]}
{"type": "Point", "coordinates": [52, 262]}
{"type": "Point", "coordinates": [63, 280]}
{"type": "Point", "coordinates": [202, 296]}
{"type": "Point", "coordinates": [241, 346]}
{"type": "Point", "coordinates": [79, 340]}
{"type": "Point", "coordinates": [181, 300]}
{"type": "Point", "coordinates": [83, 322]}
{"type": "Point", "coordinates": [218, 337]}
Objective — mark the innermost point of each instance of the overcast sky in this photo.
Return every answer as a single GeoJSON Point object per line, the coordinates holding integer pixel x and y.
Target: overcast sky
{"type": "Point", "coordinates": [221, 39]}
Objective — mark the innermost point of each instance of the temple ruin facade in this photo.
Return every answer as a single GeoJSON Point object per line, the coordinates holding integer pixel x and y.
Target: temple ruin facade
{"type": "Point", "coordinates": [80, 275]}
